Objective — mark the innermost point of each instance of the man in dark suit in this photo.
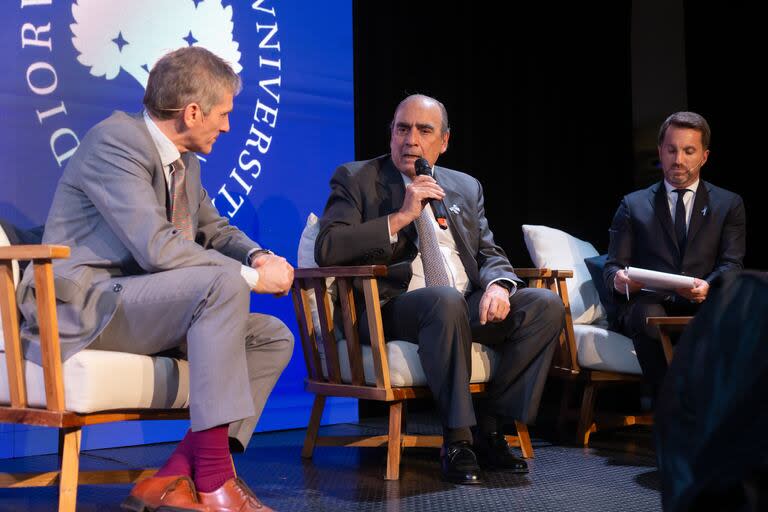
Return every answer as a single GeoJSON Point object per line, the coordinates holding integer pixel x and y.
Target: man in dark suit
{"type": "Point", "coordinates": [154, 265]}
{"type": "Point", "coordinates": [681, 225]}
{"type": "Point", "coordinates": [445, 287]}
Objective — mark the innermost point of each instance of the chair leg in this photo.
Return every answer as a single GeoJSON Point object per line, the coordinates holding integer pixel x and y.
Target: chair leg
{"type": "Point", "coordinates": [525, 439]}
{"type": "Point", "coordinates": [394, 442]}
{"type": "Point", "coordinates": [69, 454]}
{"type": "Point", "coordinates": [314, 425]}
{"type": "Point", "coordinates": [587, 414]}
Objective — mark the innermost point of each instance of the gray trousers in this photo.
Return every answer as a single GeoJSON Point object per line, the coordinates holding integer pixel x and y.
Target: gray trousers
{"type": "Point", "coordinates": [235, 358]}
{"type": "Point", "coordinates": [445, 323]}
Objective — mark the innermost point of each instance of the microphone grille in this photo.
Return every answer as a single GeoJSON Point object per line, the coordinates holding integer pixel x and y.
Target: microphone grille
{"type": "Point", "coordinates": [422, 167]}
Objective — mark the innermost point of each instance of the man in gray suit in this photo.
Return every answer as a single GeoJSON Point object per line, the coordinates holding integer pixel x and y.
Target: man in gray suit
{"type": "Point", "coordinates": [445, 286]}
{"type": "Point", "coordinates": [154, 265]}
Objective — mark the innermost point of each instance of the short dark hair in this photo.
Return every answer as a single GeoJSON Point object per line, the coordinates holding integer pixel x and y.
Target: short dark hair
{"type": "Point", "coordinates": [188, 75]}
{"type": "Point", "coordinates": [444, 126]}
{"type": "Point", "coordinates": [687, 120]}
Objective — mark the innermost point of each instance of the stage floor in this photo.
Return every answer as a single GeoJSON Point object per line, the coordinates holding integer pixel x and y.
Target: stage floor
{"type": "Point", "coordinates": [617, 473]}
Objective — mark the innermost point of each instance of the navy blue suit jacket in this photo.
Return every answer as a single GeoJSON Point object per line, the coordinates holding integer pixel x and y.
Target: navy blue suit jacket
{"type": "Point", "coordinates": [643, 235]}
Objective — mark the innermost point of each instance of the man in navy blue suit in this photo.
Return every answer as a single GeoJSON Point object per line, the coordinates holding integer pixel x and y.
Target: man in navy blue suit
{"type": "Point", "coordinates": [681, 225]}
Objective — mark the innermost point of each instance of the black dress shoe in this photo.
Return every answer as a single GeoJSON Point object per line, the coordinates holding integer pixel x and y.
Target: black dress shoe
{"type": "Point", "coordinates": [459, 464]}
{"type": "Point", "coordinates": [494, 453]}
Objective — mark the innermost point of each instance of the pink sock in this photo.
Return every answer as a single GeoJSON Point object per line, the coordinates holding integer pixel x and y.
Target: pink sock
{"type": "Point", "coordinates": [212, 463]}
{"type": "Point", "coordinates": [180, 461]}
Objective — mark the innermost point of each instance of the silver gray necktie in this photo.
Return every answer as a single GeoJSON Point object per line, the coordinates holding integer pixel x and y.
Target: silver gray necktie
{"type": "Point", "coordinates": [434, 268]}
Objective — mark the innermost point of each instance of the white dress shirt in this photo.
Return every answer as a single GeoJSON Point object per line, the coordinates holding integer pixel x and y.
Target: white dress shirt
{"type": "Point", "coordinates": [688, 198]}
{"type": "Point", "coordinates": [457, 274]}
{"type": "Point", "coordinates": [169, 153]}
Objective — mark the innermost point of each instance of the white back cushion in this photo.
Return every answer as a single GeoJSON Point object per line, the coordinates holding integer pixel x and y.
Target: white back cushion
{"type": "Point", "coordinates": [555, 249]}
{"type": "Point", "coordinates": [4, 242]}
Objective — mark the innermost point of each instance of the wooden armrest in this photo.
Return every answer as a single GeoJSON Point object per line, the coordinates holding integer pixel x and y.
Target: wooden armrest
{"type": "Point", "coordinates": [359, 271]}
{"type": "Point", "coordinates": [541, 273]}
{"type": "Point", "coordinates": [34, 252]}
{"type": "Point", "coordinates": [529, 273]}
{"type": "Point", "coordinates": [668, 320]}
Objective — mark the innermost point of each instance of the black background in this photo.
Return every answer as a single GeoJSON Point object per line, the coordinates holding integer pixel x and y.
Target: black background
{"type": "Point", "coordinates": [541, 106]}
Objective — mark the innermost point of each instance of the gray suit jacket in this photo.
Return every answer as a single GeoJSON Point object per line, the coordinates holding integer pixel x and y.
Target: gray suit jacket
{"type": "Point", "coordinates": [110, 208]}
{"type": "Point", "coordinates": [353, 229]}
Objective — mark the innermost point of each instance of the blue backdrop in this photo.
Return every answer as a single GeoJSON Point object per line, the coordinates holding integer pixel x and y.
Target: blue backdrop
{"type": "Point", "coordinates": [67, 65]}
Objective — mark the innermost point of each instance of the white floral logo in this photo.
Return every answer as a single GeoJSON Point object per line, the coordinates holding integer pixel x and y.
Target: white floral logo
{"type": "Point", "coordinates": [133, 34]}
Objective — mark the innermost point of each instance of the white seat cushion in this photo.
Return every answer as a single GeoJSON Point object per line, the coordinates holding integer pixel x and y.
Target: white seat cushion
{"type": "Point", "coordinates": [601, 349]}
{"type": "Point", "coordinates": [96, 380]}
{"type": "Point", "coordinates": [405, 367]}
{"type": "Point", "coordinates": [555, 249]}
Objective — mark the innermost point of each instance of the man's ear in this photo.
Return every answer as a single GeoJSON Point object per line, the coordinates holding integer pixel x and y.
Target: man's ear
{"type": "Point", "coordinates": [192, 115]}
{"type": "Point", "coordinates": [444, 145]}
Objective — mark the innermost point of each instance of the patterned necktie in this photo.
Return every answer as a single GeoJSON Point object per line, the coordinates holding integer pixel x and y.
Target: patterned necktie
{"type": "Point", "coordinates": [434, 268]}
{"type": "Point", "coordinates": [680, 228]}
{"type": "Point", "coordinates": [180, 217]}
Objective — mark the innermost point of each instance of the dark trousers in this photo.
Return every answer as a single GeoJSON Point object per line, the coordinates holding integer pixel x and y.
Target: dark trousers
{"type": "Point", "coordinates": [632, 323]}
{"type": "Point", "coordinates": [444, 323]}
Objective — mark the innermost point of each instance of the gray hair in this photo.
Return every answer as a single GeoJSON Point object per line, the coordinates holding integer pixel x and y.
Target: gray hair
{"type": "Point", "coordinates": [188, 75]}
{"type": "Point", "coordinates": [444, 126]}
{"type": "Point", "coordinates": [687, 120]}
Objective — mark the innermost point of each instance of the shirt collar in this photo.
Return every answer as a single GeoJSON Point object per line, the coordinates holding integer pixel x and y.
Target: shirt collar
{"type": "Point", "coordinates": [167, 149]}
{"type": "Point", "coordinates": [692, 187]}
{"type": "Point", "coordinates": [407, 180]}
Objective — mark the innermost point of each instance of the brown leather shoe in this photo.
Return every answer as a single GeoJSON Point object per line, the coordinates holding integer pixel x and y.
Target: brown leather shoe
{"type": "Point", "coordinates": [164, 493]}
{"type": "Point", "coordinates": [233, 496]}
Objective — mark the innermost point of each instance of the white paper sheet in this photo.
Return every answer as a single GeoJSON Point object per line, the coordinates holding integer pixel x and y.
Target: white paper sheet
{"type": "Point", "coordinates": [659, 280]}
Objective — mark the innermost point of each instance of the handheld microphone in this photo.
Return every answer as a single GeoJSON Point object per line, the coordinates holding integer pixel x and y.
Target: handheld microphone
{"type": "Point", "coordinates": [438, 208]}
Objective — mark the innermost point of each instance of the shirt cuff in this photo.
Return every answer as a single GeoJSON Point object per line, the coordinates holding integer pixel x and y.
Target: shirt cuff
{"type": "Point", "coordinates": [251, 275]}
{"type": "Point", "coordinates": [511, 282]}
{"type": "Point", "coordinates": [392, 238]}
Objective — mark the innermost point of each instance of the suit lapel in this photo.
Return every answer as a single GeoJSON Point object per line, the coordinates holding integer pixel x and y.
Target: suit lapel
{"type": "Point", "coordinates": [700, 212]}
{"type": "Point", "coordinates": [159, 183]}
{"type": "Point", "coordinates": [661, 208]}
{"type": "Point", "coordinates": [391, 186]}
{"type": "Point", "coordinates": [467, 257]}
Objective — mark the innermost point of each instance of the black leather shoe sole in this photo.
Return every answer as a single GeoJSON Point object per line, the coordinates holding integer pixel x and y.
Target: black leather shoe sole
{"type": "Point", "coordinates": [502, 467]}
{"type": "Point", "coordinates": [463, 479]}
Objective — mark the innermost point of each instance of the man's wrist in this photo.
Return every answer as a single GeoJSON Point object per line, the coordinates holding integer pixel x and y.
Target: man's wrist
{"type": "Point", "coordinates": [256, 253]}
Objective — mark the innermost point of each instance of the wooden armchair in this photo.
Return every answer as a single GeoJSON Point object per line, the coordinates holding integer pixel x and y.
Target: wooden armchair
{"type": "Point", "coordinates": [345, 368]}
{"type": "Point", "coordinates": [51, 408]}
{"type": "Point", "coordinates": [566, 366]}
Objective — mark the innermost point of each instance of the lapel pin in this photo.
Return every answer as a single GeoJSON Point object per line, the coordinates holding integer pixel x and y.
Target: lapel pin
{"type": "Point", "coordinates": [704, 211]}
{"type": "Point", "coordinates": [455, 209]}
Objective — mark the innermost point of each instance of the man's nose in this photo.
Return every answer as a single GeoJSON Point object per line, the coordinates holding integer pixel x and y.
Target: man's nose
{"type": "Point", "coordinates": [411, 138]}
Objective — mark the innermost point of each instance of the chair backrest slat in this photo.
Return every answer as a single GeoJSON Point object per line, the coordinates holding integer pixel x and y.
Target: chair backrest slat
{"type": "Point", "coordinates": [49, 335]}
{"type": "Point", "coordinates": [326, 330]}
{"type": "Point", "coordinates": [567, 354]}
{"type": "Point", "coordinates": [307, 329]}
{"type": "Point", "coordinates": [376, 331]}
{"type": "Point", "coordinates": [349, 314]}
{"type": "Point", "coordinates": [13, 358]}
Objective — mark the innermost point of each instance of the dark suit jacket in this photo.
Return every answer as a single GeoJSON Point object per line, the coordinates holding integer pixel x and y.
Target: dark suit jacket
{"type": "Point", "coordinates": [110, 208]}
{"type": "Point", "coordinates": [353, 229]}
{"type": "Point", "coordinates": [643, 235]}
